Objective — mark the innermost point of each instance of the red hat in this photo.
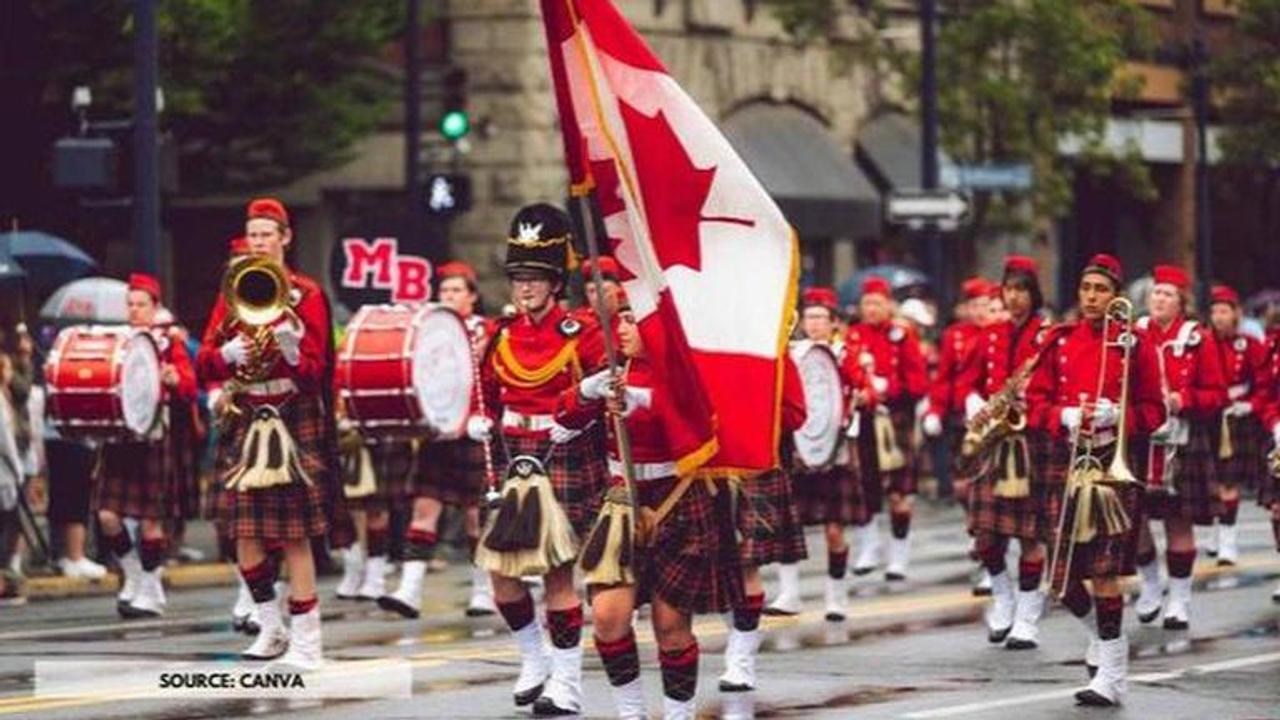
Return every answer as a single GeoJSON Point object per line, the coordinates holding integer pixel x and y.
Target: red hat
{"type": "Point", "coordinates": [1172, 275]}
{"type": "Point", "coordinates": [456, 268]}
{"type": "Point", "coordinates": [238, 246]}
{"type": "Point", "coordinates": [995, 291]}
{"type": "Point", "coordinates": [975, 287]}
{"type": "Point", "coordinates": [269, 208]}
{"type": "Point", "coordinates": [875, 285]}
{"type": "Point", "coordinates": [820, 297]}
{"type": "Point", "coordinates": [1108, 265]}
{"type": "Point", "coordinates": [1224, 294]}
{"type": "Point", "coordinates": [608, 269]}
{"type": "Point", "coordinates": [1020, 263]}
{"type": "Point", "coordinates": [146, 283]}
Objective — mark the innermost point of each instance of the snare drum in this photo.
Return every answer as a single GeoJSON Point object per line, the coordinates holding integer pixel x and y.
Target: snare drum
{"type": "Point", "coordinates": [407, 371]}
{"type": "Point", "coordinates": [818, 441]}
{"type": "Point", "coordinates": [104, 382]}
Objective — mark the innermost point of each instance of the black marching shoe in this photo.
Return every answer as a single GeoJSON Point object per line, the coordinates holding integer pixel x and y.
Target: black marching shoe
{"type": "Point", "coordinates": [546, 707]}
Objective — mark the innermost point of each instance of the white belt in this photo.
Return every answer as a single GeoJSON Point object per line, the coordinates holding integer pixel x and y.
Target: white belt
{"type": "Point", "coordinates": [644, 471]}
{"type": "Point", "coordinates": [513, 419]}
{"type": "Point", "coordinates": [278, 386]}
{"type": "Point", "coordinates": [1235, 392]}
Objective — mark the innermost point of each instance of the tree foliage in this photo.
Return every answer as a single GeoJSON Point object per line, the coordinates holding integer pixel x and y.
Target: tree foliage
{"type": "Point", "coordinates": [255, 93]}
{"type": "Point", "coordinates": [1015, 77]}
{"type": "Point", "coordinates": [1246, 78]}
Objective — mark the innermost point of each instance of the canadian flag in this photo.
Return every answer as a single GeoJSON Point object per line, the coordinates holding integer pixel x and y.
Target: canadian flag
{"type": "Point", "coordinates": [702, 246]}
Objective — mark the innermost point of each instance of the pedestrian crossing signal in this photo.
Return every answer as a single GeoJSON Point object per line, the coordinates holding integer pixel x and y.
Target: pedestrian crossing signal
{"type": "Point", "coordinates": [447, 194]}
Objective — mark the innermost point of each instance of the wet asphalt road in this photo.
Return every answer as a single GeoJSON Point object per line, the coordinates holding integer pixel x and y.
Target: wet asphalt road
{"type": "Point", "coordinates": [917, 650]}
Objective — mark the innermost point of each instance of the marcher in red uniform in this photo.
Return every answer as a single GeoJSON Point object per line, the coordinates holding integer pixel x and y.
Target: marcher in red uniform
{"type": "Point", "coordinates": [1194, 392]}
{"type": "Point", "coordinates": [1064, 396]}
{"type": "Point", "coordinates": [1269, 490]}
{"type": "Point", "coordinates": [295, 381]}
{"type": "Point", "coordinates": [831, 495]}
{"type": "Point", "coordinates": [953, 393]}
{"type": "Point", "coordinates": [533, 358]}
{"type": "Point", "coordinates": [137, 479]}
{"type": "Point", "coordinates": [1244, 367]}
{"type": "Point", "coordinates": [449, 472]}
{"type": "Point", "coordinates": [891, 355]}
{"type": "Point", "coordinates": [689, 563]}
{"type": "Point", "coordinates": [769, 524]}
{"type": "Point", "coordinates": [998, 510]}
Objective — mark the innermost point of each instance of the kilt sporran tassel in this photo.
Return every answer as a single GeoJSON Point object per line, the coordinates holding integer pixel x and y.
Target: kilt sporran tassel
{"type": "Point", "coordinates": [607, 554]}
{"type": "Point", "coordinates": [888, 453]}
{"type": "Point", "coordinates": [1014, 466]}
{"type": "Point", "coordinates": [268, 455]}
{"type": "Point", "coordinates": [530, 534]}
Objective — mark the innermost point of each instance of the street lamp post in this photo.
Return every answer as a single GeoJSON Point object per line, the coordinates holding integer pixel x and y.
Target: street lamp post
{"type": "Point", "coordinates": [146, 158]}
{"type": "Point", "coordinates": [930, 237]}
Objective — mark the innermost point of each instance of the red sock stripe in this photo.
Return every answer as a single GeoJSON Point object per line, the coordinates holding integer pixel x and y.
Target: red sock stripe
{"type": "Point", "coordinates": [754, 602]}
{"type": "Point", "coordinates": [1180, 563]}
{"type": "Point", "coordinates": [422, 537]}
{"type": "Point", "coordinates": [621, 646]}
{"type": "Point", "coordinates": [679, 658]}
{"type": "Point", "coordinates": [303, 606]}
{"type": "Point", "coordinates": [258, 573]}
{"type": "Point", "coordinates": [377, 538]}
{"type": "Point", "coordinates": [517, 614]}
{"type": "Point", "coordinates": [1230, 510]}
{"type": "Point", "coordinates": [900, 524]}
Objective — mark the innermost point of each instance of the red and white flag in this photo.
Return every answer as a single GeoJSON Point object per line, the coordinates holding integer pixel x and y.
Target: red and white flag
{"type": "Point", "coordinates": [702, 246]}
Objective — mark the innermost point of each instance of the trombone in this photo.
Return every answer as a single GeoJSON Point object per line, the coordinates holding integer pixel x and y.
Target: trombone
{"type": "Point", "coordinates": [1091, 497]}
{"type": "Point", "coordinates": [1162, 450]}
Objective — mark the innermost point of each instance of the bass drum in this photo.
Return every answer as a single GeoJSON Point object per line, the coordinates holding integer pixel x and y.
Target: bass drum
{"type": "Point", "coordinates": [104, 383]}
{"type": "Point", "coordinates": [407, 371]}
{"type": "Point", "coordinates": [817, 442]}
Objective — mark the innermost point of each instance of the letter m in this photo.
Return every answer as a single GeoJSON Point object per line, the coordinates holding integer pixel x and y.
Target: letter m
{"type": "Point", "coordinates": [369, 265]}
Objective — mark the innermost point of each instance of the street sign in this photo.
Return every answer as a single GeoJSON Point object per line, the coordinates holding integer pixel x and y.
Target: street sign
{"type": "Point", "coordinates": [916, 209]}
{"type": "Point", "coordinates": [1017, 176]}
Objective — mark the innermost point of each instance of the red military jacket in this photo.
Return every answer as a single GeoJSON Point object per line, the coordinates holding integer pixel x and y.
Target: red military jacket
{"type": "Point", "coordinates": [892, 351]}
{"type": "Point", "coordinates": [958, 365]}
{"type": "Point", "coordinates": [794, 412]}
{"type": "Point", "coordinates": [309, 304]}
{"type": "Point", "coordinates": [1004, 348]}
{"type": "Point", "coordinates": [1068, 375]}
{"type": "Point", "coordinates": [1271, 369]}
{"type": "Point", "coordinates": [1244, 367]}
{"type": "Point", "coordinates": [1192, 364]}
{"type": "Point", "coordinates": [645, 428]}
{"type": "Point", "coordinates": [174, 352]}
{"type": "Point", "coordinates": [530, 363]}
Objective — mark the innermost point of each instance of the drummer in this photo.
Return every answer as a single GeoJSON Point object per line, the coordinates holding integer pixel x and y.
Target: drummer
{"type": "Point", "coordinates": [135, 478]}
{"type": "Point", "coordinates": [828, 492]}
{"type": "Point", "coordinates": [449, 472]}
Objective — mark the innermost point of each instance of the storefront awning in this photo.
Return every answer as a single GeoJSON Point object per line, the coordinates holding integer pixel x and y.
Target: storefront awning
{"type": "Point", "coordinates": [820, 190]}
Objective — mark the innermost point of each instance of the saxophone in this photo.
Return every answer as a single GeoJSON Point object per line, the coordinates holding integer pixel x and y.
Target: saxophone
{"type": "Point", "coordinates": [1002, 416]}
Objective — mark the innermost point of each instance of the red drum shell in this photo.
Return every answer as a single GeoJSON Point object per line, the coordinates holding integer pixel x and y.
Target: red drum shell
{"type": "Point", "coordinates": [86, 377]}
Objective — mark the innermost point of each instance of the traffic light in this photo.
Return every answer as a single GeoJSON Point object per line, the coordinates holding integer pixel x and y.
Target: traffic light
{"type": "Point", "coordinates": [455, 123]}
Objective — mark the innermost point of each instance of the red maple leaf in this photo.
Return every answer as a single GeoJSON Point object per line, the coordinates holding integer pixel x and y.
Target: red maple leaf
{"type": "Point", "coordinates": [674, 191]}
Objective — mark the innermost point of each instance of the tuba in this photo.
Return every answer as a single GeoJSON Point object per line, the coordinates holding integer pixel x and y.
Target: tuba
{"type": "Point", "coordinates": [257, 292]}
{"type": "Point", "coordinates": [1091, 504]}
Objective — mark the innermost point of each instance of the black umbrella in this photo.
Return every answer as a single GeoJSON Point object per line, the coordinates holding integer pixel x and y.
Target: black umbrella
{"type": "Point", "coordinates": [48, 260]}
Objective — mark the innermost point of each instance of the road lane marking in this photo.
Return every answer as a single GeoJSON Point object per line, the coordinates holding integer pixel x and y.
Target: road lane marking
{"type": "Point", "coordinates": [1140, 679]}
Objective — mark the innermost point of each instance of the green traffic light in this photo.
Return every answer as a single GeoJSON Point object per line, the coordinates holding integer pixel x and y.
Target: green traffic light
{"type": "Point", "coordinates": [455, 124]}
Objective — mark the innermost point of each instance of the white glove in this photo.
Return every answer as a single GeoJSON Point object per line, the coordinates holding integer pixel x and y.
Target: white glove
{"type": "Point", "coordinates": [1071, 418]}
{"type": "Point", "coordinates": [932, 425]}
{"type": "Point", "coordinates": [973, 404]}
{"type": "Point", "coordinates": [1105, 414]}
{"type": "Point", "coordinates": [288, 339]}
{"type": "Point", "coordinates": [1240, 408]}
{"type": "Point", "coordinates": [479, 427]}
{"type": "Point", "coordinates": [235, 351]}
{"type": "Point", "coordinates": [347, 424]}
{"type": "Point", "coordinates": [855, 426]}
{"type": "Point", "coordinates": [595, 387]}
{"type": "Point", "coordinates": [879, 384]}
{"type": "Point", "coordinates": [1275, 433]}
{"type": "Point", "coordinates": [213, 396]}
{"type": "Point", "coordinates": [635, 399]}
{"type": "Point", "coordinates": [561, 434]}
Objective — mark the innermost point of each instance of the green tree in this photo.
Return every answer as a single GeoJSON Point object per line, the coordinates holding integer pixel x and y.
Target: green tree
{"type": "Point", "coordinates": [1246, 78]}
{"type": "Point", "coordinates": [1015, 78]}
{"type": "Point", "coordinates": [256, 93]}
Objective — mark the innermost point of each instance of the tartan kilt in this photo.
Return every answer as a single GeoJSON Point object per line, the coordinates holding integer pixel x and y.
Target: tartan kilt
{"type": "Point", "coordinates": [578, 471]}
{"type": "Point", "coordinates": [1268, 489]}
{"type": "Point", "coordinates": [768, 523]}
{"type": "Point", "coordinates": [692, 562]}
{"type": "Point", "coordinates": [453, 472]}
{"type": "Point", "coordinates": [1023, 518]}
{"type": "Point", "coordinates": [1246, 468]}
{"type": "Point", "coordinates": [830, 495]}
{"type": "Point", "coordinates": [1196, 480]}
{"type": "Point", "coordinates": [1111, 556]}
{"type": "Point", "coordinates": [286, 512]}
{"type": "Point", "coordinates": [136, 479]}
{"type": "Point", "coordinates": [876, 483]}
{"type": "Point", "coordinates": [395, 463]}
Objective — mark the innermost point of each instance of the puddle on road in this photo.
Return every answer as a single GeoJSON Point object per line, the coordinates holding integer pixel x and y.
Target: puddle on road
{"type": "Point", "coordinates": [748, 705]}
{"type": "Point", "coordinates": [828, 634]}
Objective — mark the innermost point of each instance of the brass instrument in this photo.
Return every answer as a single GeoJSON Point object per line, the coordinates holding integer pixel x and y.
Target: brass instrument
{"type": "Point", "coordinates": [1163, 462]}
{"type": "Point", "coordinates": [258, 294]}
{"type": "Point", "coordinates": [1091, 498]}
{"type": "Point", "coordinates": [1004, 415]}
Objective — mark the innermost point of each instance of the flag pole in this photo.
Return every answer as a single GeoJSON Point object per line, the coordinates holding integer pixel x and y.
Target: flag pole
{"type": "Point", "coordinates": [588, 214]}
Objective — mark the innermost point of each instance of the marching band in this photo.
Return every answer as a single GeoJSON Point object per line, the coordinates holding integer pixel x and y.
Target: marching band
{"type": "Point", "coordinates": [1070, 439]}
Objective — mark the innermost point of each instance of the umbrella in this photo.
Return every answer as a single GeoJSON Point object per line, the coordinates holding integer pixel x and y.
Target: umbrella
{"type": "Point", "coordinates": [88, 300]}
{"type": "Point", "coordinates": [899, 277]}
{"type": "Point", "coordinates": [48, 261]}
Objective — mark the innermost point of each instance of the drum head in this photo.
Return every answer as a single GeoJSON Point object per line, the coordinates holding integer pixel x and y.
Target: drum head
{"type": "Point", "coordinates": [818, 438]}
{"type": "Point", "coordinates": [442, 370]}
{"type": "Point", "coordinates": [140, 383]}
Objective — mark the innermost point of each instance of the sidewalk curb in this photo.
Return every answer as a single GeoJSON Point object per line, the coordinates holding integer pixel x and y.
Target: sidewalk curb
{"type": "Point", "coordinates": [193, 575]}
